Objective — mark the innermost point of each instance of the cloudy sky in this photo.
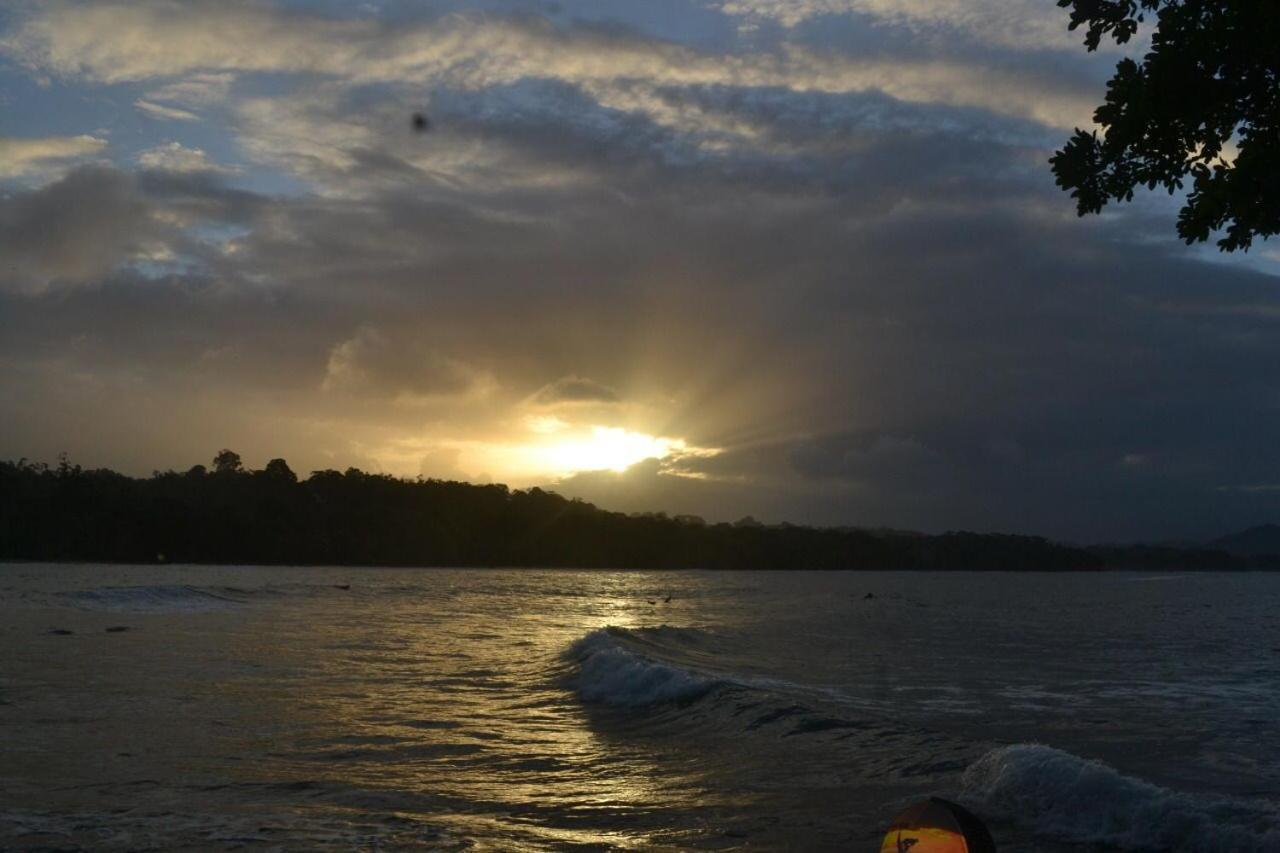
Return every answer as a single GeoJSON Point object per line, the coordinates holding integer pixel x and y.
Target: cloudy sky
{"type": "Point", "coordinates": [802, 259]}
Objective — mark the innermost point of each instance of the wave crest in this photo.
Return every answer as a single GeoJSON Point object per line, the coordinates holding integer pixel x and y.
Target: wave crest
{"type": "Point", "coordinates": [1057, 793]}
{"type": "Point", "coordinates": [611, 674]}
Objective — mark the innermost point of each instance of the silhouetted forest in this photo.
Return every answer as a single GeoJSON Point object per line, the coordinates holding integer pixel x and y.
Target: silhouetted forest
{"type": "Point", "coordinates": [227, 514]}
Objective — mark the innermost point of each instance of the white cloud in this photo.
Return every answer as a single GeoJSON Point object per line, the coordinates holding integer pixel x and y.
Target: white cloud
{"type": "Point", "coordinates": [174, 100]}
{"type": "Point", "coordinates": [196, 90]}
{"type": "Point", "coordinates": [1019, 24]}
{"type": "Point", "coordinates": [176, 157]}
{"type": "Point", "coordinates": [20, 156]}
{"type": "Point", "coordinates": [305, 132]}
{"type": "Point", "coordinates": [111, 43]}
{"type": "Point", "coordinates": [162, 112]}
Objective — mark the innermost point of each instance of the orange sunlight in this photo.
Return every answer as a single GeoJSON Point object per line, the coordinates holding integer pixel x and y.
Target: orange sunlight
{"type": "Point", "coordinates": [552, 449]}
{"type": "Point", "coordinates": [604, 448]}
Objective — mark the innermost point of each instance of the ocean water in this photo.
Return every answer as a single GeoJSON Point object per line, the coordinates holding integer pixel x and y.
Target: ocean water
{"type": "Point", "coordinates": [311, 709]}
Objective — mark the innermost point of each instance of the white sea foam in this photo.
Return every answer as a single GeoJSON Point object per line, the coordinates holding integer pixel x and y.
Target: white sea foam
{"type": "Point", "coordinates": [150, 599]}
{"type": "Point", "coordinates": [1060, 794]}
{"type": "Point", "coordinates": [611, 674]}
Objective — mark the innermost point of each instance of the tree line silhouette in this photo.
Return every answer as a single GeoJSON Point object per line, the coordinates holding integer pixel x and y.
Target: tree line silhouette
{"type": "Point", "coordinates": [228, 514]}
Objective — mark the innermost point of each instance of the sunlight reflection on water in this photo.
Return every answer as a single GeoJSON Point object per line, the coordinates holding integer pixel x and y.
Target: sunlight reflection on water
{"type": "Point", "coordinates": [443, 708]}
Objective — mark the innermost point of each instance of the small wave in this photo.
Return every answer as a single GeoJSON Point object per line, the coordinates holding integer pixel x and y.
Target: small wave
{"type": "Point", "coordinates": [610, 674]}
{"type": "Point", "coordinates": [143, 829]}
{"type": "Point", "coordinates": [669, 634]}
{"type": "Point", "coordinates": [634, 666]}
{"type": "Point", "coordinates": [151, 599]}
{"type": "Point", "coordinates": [1060, 794]}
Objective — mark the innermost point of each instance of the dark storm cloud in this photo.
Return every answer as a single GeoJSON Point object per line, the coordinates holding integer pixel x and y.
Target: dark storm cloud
{"type": "Point", "coordinates": [73, 230]}
{"type": "Point", "coordinates": [987, 392]}
{"type": "Point", "coordinates": [841, 263]}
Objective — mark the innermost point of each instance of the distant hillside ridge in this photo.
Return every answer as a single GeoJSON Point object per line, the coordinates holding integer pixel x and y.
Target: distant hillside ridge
{"type": "Point", "coordinates": [230, 515]}
{"type": "Point", "coordinates": [1263, 540]}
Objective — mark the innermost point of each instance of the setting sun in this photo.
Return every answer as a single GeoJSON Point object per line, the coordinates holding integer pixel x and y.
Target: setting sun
{"type": "Point", "coordinates": [552, 449]}
{"type": "Point", "coordinates": [604, 448]}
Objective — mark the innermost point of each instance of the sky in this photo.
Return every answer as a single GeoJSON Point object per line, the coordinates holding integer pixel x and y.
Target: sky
{"type": "Point", "coordinates": [797, 259]}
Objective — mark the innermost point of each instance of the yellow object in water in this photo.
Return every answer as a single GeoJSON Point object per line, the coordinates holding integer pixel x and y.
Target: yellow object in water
{"type": "Point", "coordinates": [937, 826]}
{"type": "Point", "coordinates": [923, 840]}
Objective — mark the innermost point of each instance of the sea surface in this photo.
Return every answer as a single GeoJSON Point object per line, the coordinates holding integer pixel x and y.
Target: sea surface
{"type": "Point", "coordinates": [382, 709]}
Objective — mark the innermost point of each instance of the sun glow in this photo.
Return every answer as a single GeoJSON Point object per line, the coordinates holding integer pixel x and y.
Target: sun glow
{"type": "Point", "coordinates": [548, 449]}
{"type": "Point", "coordinates": [603, 449]}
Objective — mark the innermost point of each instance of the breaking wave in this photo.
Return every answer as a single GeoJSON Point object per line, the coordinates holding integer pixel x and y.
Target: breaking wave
{"type": "Point", "coordinates": [1056, 793]}
{"type": "Point", "coordinates": [610, 673]}
{"type": "Point", "coordinates": [153, 599]}
{"type": "Point", "coordinates": [1047, 791]}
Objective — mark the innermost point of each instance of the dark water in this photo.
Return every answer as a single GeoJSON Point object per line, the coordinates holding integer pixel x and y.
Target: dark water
{"type": "Point", "coordinates": [253, 708]}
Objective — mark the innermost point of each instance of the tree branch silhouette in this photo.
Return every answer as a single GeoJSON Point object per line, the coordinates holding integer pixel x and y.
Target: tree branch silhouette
{"type": "Point", "coordinates": [1209, 83]}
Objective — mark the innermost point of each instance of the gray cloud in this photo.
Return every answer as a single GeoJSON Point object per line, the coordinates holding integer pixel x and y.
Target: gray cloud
{"type": "Point", "coordinates": [409, 369]}
{"type": "Point", "coordinates": [73, 230]}
{"type": "Point", "coordinates": [850, 271]}
{"type": "Point", "coordinates": [986, 395]}
{"type": "Point", "coordinates": [574, 389]}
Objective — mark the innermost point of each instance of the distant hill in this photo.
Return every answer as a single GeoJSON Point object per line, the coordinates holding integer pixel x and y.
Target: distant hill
{"type": "Point", "coordinates": [1254, 542]}
{"type": "Point", "coordinates": [231, 515]}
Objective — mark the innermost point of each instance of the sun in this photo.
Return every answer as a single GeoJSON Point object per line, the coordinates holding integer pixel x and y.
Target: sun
{"type": "Point", "coordinates": [549, 449]}
{"type": "Point", "coordinates": [603, 449]}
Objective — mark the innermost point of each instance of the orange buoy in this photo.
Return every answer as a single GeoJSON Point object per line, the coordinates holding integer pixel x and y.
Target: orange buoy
{"type": "Point", "coordinates": [937, 826]}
